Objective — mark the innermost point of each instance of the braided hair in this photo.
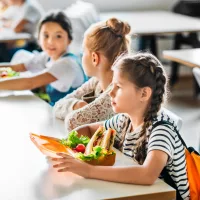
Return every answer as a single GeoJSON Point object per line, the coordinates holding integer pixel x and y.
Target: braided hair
{"type": "Point", "coordinates": [145, 70]}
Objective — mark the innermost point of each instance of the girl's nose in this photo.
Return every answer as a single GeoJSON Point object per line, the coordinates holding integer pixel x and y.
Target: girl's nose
{"type": "Point", "coordinates": [50, 40]}
{"type": "Point", "coordinates": [111, 91]}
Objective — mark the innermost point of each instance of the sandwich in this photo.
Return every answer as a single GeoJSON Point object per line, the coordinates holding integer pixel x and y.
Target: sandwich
{"type": "Point", "coordinates": [96, 150]}
{"type": "Point", "coordinates": [99, 149]}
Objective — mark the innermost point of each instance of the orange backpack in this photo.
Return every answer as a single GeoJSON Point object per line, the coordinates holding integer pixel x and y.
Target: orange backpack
{"type": "Point", "coordinates": [193, 172]}
{"type": "Point", "coordinates": [193, 168]}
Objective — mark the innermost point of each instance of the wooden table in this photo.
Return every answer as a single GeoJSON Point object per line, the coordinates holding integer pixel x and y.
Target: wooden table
{"type": "Point", "coordinates": [25, 173]}
{"type": "Point", "coordinates": [187, 57]}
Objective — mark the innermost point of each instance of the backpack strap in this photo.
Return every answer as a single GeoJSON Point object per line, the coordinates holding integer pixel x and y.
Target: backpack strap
{"type": "Point", "coordinates": [165, 174]}
{"type": "Point", "coordinates": [70, 55]}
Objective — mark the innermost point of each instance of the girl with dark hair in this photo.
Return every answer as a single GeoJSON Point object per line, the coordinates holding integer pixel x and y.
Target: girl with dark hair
{"type": "Point", "coordinates": [55, 67]}
{"type": "Point", "coordinates": [145, 132]}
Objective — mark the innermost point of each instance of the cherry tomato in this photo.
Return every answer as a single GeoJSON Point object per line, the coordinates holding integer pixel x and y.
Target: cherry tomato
{"type": "Point", "coordinates": [3, 74]}
{"type": "Point", "coordinates": [80, 148]}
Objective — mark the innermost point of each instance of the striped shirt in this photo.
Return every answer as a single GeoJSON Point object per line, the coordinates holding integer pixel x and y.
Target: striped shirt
{"type": "Point", "coordinates": [162, 137]}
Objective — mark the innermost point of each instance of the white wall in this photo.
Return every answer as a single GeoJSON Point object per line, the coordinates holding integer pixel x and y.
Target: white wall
{"type": "Point", "coordinates": [108, 5]}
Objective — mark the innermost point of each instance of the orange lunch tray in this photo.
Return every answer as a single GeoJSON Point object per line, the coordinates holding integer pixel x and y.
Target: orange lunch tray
{"type": "Point", "coordinates": [49, 146]}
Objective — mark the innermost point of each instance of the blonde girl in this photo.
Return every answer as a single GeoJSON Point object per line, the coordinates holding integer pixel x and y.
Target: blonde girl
{"type": "Point", "coordinates": [102, 43]}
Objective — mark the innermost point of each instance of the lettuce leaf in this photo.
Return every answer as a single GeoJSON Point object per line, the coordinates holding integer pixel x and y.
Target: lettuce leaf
{"type": "Point", "coordinates": [11, 72]}
{"type": "Point", "coordinates": [84, 157]}
{"type": "Point", "coordinates": [73, 140]}
{"type": "Point", "coordinates": [96, 153]}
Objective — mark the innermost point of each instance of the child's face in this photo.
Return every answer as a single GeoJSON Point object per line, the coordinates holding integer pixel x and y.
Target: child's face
{"type": "Point", "coordinates": [53, 39]}
{"type": "Point", "coordinates": [125, 96]}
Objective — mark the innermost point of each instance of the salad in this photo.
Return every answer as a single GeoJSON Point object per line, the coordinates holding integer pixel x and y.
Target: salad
{"type": "Point", "coordinates": [7, 72]}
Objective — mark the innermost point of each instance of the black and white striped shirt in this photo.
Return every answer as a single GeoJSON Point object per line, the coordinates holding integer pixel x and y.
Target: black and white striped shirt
{"type": "Point", "coordinates": [162, 137]}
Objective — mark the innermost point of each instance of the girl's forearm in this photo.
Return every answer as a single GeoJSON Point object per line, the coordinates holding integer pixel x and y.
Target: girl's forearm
{"type": "Point", "coordinates": [16, 84]}
{"type": "Point", "coordinates": [20, 26]}
{"type": "Point", "coordinates": [133, 174]}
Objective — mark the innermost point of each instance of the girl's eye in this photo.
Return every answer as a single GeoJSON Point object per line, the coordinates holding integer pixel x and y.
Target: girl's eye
{"type": "Point", "coordinates": [46, 36]}
{"type": "Point", "coordinates": [58, 36]}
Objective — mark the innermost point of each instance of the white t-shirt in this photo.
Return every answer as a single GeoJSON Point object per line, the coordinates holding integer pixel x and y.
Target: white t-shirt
{"type": "Point", "coordinates": [66, 70]}
{"type": "Point", "coordinates": [30, 10]}
{"type": "Point", "coordinates": [163, 138]}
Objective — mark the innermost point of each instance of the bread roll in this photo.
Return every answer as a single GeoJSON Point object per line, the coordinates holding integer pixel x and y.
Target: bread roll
{"type": "Point", "coordinates": [96, 135]}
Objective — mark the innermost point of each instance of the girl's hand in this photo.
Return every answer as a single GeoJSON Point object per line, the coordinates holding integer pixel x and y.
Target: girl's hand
{"type": "Point", "coordinates": [49, 160]}
{"type": "Point", "coordinates": [68, 163]}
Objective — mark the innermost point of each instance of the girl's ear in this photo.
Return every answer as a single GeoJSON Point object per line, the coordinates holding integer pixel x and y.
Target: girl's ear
{"type": "Point", "coordinates": [146, 93]}
{"type": "Point", "coordinates": [95, 58]}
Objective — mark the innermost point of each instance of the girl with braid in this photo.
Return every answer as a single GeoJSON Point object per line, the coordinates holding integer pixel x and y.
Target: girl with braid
{"type": "Point", "coordinates": [139, 89]}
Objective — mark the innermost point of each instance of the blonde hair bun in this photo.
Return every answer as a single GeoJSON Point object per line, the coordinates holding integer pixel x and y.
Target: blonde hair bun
{"type": "Point", "coordinates": [118, 27]}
